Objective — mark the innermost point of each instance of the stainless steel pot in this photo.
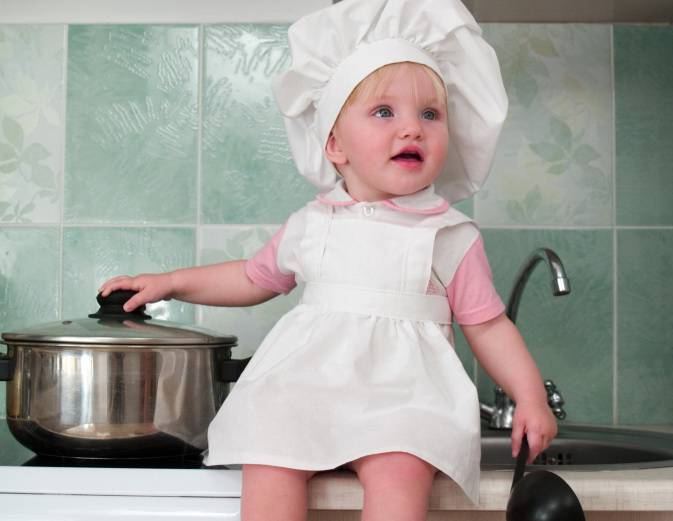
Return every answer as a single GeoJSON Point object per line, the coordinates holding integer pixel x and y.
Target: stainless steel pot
{"type": "Point", "coordinates": [116, 384]}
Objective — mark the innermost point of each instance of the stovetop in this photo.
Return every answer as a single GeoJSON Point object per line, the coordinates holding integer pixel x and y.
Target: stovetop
{"type": "Point", "coordinates": [178, 479]}
{"type": "Point", "coordinates": [186, 462]}
{"type": "Point", "coordinates": [12, 453]}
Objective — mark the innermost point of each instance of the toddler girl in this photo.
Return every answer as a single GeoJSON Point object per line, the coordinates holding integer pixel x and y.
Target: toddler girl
{"type": "Point", "coordinates": [394, 109]}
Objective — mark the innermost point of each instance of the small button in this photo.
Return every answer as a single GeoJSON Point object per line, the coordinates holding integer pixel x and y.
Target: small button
{"type": "Point", "coordinates": [368, 211]}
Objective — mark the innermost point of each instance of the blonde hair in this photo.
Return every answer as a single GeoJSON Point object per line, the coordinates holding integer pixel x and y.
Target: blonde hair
{"type": "Point", "coordinates": [375, 83]}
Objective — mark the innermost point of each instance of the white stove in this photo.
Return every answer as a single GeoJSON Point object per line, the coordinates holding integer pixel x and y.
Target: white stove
{"type": "Point", "coordinates": [33, 489]}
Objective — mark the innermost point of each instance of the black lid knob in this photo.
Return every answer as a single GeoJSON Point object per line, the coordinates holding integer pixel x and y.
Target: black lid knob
{"type": "Point", "coordinates": [112, 307]}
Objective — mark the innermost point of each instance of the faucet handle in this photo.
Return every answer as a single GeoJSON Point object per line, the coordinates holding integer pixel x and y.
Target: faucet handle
{"type": "Point", "coordinates": [503, 410]}
{"type": "Point", "coordinates": [501, 398]}
{"type": "Point", "coordinates": [554, 399]}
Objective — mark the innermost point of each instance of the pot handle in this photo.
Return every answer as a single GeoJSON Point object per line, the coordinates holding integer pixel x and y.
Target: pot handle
{"type": "Point", "coordinates": [112, 307]}
{"type": "Point", "coordinates": [7, 365]}
{"type": "Point", "coordinates": [230, 370]}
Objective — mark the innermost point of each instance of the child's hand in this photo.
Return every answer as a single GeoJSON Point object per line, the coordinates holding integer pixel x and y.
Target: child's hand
{"type": "Point", "coordinates": [150, 288]}
{"type": "Point", "coordinates": [535, 419]}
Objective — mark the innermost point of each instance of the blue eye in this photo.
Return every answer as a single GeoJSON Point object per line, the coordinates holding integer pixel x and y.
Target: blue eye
{"type": "Point", "coordinates": [383, 112]}
{"type": "Point", "coordinates": [429, 114]}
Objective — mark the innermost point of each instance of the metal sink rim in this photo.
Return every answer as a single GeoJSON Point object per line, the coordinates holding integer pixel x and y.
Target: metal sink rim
{"type": "Point", "coordinates": [643, 439]}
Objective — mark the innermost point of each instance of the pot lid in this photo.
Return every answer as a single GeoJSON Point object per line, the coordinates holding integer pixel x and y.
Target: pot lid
{"type": "Point", "coordinates": [112, 325]}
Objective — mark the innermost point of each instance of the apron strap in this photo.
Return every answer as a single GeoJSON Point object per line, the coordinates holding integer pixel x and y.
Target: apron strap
{"type": "Point", "coordinates": [372, 301]}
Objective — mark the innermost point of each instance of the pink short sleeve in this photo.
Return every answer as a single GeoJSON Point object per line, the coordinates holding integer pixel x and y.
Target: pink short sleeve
{"type": "Point", "coordinates": [471, 293]}
{"type": "Point", "coordinates": [262, 268]}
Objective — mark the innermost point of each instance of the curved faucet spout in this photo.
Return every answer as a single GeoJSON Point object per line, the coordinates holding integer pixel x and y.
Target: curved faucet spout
{"type": "Point", "coordinates": [559, 279]}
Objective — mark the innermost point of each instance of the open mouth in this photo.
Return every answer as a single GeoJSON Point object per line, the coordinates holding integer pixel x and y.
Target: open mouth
{"type": "Point", "coordinates": [408, 155]}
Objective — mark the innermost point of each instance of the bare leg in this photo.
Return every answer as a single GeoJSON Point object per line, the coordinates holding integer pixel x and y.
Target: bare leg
{"type": "Point", "coordinates": [397, 486]}
{"type": "Point", "coordinates": [274, 493]}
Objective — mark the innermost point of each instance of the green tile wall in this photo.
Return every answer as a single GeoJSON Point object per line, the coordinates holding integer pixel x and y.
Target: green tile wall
{"type": "Point", "coordinates": [554, 163]}
{"type": "Point", "coordinates": [92, 255]}
{"type": "Point", "coordinates": [245, 151]}
{"type": "Point", "coordinates": [131, 141]}
{"type": "Point", "coordinates": [644, 126]}
{"type": "Point", "coordinates": [140, 148]}
{"type": "Point", "coordinates": [645, 355]}
{"type": "Point", "coordinates": [32, 124]}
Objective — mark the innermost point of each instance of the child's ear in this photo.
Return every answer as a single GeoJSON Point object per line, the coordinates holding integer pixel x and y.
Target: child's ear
{"type": "Point", "coordinates": [333, 150]}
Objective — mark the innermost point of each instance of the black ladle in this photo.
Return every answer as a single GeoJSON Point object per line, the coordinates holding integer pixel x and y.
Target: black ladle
{"type": "Point", "coordinates": [540, 495]}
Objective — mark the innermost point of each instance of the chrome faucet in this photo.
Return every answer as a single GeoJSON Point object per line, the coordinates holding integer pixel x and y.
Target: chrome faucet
{"type": "Point", "coordinates": [500, 414]}
{"type": "Point", "coordinates": [560, 285]}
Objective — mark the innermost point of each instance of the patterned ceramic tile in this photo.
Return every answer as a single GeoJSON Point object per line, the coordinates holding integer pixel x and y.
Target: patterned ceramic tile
{"type": "Point", "coordinates": [31, 122]}
{"type": "Point", "coordinates": [248, 172]}
{"type": "Point", "coordinates": [570, 337]}
{"type": "Point", "coordinates": [29, 276]}
{"type": "Point", "coordinates": [132, 124]}
{"type": "Point", "coordinates": [645, 350]}
{"type": "Point", "coordinates": [249, 324]}
{"type": "Point", "coordinates": [554, 161]}
{"type": "Point", "coordinates": [93, 255]}
{"type": "Point", "coordinates": [644, 124]}
{"type": "Point", "coordinates": [29, 281]}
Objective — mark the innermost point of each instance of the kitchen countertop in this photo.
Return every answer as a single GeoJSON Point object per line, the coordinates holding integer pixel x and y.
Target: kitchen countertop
{"type": "Point", "coordinates": [605, 490]}
{"type": "Point", "coordinates": [610, 490]}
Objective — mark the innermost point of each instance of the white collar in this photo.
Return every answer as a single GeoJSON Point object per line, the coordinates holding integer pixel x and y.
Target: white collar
{"type": "Point", "coordinates": [424, 202]}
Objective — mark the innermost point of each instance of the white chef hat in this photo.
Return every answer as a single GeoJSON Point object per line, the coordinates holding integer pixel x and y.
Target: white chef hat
{"type": "Point", "coordinates": [335, 48]}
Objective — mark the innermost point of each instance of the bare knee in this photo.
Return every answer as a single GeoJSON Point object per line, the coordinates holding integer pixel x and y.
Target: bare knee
{"type": "Point", "coordinates": [394, 469]}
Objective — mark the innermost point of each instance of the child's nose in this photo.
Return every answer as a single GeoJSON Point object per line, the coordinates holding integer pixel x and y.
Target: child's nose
{"type": "Point", "coordinates": [410, 128]}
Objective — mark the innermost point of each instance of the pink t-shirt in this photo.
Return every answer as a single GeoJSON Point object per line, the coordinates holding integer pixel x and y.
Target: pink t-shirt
{"type": "Point", "coordinates": [472, 296]}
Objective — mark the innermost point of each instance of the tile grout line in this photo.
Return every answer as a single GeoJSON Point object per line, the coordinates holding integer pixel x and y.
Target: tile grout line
{"type": "Point", "coordinates": [199, 153]}
{"type": "Point", "coordinates": [59, 292]}
{"type": "Point", "coordinates": [615, 287]}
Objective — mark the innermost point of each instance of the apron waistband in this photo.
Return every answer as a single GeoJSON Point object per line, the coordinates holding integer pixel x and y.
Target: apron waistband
{"type": "Point", "coordinates": [371, 301]}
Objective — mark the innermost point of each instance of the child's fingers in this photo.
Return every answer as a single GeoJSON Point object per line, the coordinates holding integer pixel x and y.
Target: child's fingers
{"type": "Point", "coordinates": [517, 436]}
{"type": "Point", "coordinates": [136, 301]}
{"type": "Point", "coordinates": [106, 284]}
{"type": "Point", "coordinates": [105, 290]}
{"type": "Point", "coordinates": [142, 297]}
{"type": "Point", "coordinates": [535, 443]}
{"type": "Point", "coordinates": [116, 283]}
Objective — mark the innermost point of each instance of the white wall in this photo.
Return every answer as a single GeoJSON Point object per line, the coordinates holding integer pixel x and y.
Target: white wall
{"type": "Point", "coordinates": [155, 11]}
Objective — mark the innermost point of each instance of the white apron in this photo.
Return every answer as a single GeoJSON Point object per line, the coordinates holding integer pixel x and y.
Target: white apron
{"type": "Point", "coordinates": [363, 364]}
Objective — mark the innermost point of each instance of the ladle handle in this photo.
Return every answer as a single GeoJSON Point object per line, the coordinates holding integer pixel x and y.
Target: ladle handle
{"type": "Point", "coordinates": [520, 461]}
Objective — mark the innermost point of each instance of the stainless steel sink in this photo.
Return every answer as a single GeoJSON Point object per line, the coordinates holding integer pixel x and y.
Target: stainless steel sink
{"type": "Point", "coordinates": [585, 448]}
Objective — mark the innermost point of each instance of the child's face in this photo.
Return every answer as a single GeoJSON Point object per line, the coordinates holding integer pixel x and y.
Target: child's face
{"type": "Point", "coordinates": [370, 135]}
